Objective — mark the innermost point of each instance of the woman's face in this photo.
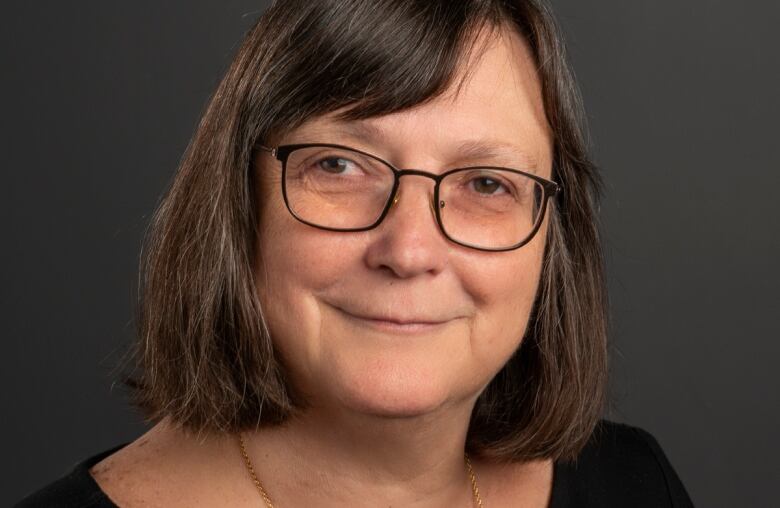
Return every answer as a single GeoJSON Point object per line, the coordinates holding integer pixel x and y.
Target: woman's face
{"type": "Point", "coordinates": [320, 289]}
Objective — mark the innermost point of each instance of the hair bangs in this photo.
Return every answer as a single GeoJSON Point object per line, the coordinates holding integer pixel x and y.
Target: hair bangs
{"type": "Point", "coordinates": [360, 63]}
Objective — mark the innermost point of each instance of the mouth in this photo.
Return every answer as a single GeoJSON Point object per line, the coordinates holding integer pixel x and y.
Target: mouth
{"type": "Point", "coordinates": [395, 324]}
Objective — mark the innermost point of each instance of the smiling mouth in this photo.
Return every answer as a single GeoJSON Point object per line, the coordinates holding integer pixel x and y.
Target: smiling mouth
{"type": "Point", "coordinates": [394, 324]}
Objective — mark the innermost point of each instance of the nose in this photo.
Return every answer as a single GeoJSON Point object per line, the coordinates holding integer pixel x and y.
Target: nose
{"type": "Point", "coordinates": [409, 242]}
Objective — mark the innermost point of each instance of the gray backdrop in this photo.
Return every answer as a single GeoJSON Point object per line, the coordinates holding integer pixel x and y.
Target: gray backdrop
{"type": "Point", "coordinates": [100, 100]}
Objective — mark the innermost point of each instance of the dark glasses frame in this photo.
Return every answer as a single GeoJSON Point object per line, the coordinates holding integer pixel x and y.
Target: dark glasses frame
{"type": "Point", "coordinates": [282, 153]}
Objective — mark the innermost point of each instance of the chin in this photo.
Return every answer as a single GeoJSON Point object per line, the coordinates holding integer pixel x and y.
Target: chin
{"type": "Point", "coordinates": [393, 394]}
{"type": "Point", "coordinates": [384, 374]}
{"type": "Point", "coordinates": [392, 408]}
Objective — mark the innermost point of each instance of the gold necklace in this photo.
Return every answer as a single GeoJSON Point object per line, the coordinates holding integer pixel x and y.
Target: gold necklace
{"type": "Point", "coordinates": [269, 504]}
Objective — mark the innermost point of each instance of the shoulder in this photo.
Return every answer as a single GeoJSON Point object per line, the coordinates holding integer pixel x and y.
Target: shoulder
{"type": "Point", "coordinates": [621, 465]}
{"type": "Point", "coordinates": [76, 488]}
{"type": "Point", "coordinates": [126, 475]}
{"type": "Point", "coordinates": [167, 466]}
{"type": "Point", "coordinates": [85, 484]}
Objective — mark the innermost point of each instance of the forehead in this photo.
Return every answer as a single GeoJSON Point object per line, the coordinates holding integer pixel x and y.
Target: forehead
{"type": "Point", "coordinates": [493, 106]}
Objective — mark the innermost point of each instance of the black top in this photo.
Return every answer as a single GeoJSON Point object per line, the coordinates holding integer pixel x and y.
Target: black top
{"type": "Point", "coordinates": [620, 466]}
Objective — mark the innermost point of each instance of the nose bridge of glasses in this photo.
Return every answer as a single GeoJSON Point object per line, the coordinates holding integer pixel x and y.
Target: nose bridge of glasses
{"type": "Point", "coordinates": [416, 172]}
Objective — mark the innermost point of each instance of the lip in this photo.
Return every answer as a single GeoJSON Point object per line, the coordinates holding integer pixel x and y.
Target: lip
{"type": "Point", "coordinates": [396, 324]}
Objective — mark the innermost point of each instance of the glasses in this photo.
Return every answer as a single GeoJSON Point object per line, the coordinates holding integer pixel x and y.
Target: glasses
{"type": "Point", "coordinates": [337, 188]}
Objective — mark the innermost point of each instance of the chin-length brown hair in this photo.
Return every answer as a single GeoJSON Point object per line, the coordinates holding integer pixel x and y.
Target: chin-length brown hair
{"type": "Point", "coordinates": [204, 357]}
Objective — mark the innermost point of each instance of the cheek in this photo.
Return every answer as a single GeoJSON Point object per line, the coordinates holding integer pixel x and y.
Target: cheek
{"type": "Point", "coordinates": [504, 289]}
{"type": "Point", "coordinates": [293, 260]}
{"type": "Point", "coordinates": [295, 256]}
{"type": "Point", "coordinates": [295, 263]}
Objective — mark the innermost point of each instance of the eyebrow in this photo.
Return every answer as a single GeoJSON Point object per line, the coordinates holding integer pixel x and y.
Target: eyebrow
{"type": "Point", "coordinates": [481, 149]}
{"type": "Point", "coordinates": [473, 149]}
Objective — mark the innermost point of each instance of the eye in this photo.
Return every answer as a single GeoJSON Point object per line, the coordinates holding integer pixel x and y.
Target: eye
{"type": "Point", "coordinates": [487, 185]}
{"type": "Point", "coordinates": [334, 165]}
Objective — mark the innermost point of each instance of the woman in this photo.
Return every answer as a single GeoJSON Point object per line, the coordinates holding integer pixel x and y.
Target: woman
{"type": "Point", "coordinates": [376, 279]}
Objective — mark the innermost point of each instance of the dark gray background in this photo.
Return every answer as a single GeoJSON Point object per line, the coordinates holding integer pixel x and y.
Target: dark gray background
{"type": "Point", "coordinates": [99, 102]}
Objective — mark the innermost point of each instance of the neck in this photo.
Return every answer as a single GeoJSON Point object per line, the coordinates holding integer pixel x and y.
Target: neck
{"type": "Point", "coordinates": [338, 457]}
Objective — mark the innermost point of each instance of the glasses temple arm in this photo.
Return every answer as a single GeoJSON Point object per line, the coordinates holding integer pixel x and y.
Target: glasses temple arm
{"type": "Point", "coordinates": [272, 151]}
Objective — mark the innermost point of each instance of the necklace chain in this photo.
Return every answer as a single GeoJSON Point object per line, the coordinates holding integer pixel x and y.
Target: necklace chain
{"type": "Point", "coordinates": [474, 489]}
{"type": "Point", "coordinates": [473, 478]}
